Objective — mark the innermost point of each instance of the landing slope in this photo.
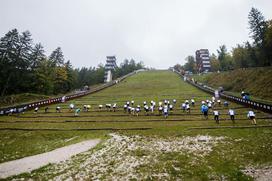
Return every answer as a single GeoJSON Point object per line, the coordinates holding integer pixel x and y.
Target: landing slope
{"type": "Point", "coordinates": [169, 150]}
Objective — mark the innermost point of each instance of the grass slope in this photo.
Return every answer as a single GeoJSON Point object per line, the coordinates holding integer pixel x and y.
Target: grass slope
{"type": "Point", "coordinates": [256, 81]}
{"type": "Point", "coordinates": [141, 154]}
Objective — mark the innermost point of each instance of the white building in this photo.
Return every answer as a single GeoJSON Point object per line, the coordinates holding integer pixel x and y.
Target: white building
{"type": "Point", "coordinates": [110, 65]}
{"type": "Point", "coordinates": [203, 60]}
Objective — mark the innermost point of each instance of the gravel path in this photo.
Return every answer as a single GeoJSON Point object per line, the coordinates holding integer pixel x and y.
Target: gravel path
{"type": "Point", "coordinates": [30, 163]}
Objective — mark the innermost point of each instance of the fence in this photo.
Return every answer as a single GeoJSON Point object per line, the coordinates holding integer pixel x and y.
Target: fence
{"type": "Point", "coordinates": [249, 103]}
{"type": "Point", "coordinates": [29, 106]}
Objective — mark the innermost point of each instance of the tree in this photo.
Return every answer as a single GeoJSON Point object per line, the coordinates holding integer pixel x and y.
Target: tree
{"type": "Point", "coordinates": [240, 57]}
{"type": "Point", "coordinates": [44, 77]}
{"type": "Point", "coordinates": [60, 79]}
{"type": "Point", "coordinates": [57, 57]}
{"type": "Point", "coordinates": [268, 41]}
{"type": "Point", "coordinates": [15, 49]}
{"type": "Point", "coordinates": [8, 45]}
{"type": "Point", "coordinates": [178, 67]}
{"type": "Point", "coordinates": [257, 26]}
{"type": "Point", "coordinates": [215, 65]}
{"type": "Point", "coordinates": [258, 30]}
{"type": "Point", "coordinates": [37, 55]}
{"type": "Point", "coordinates": [71, 76]}
{"type": "Point", "coordinates": [190, 65]}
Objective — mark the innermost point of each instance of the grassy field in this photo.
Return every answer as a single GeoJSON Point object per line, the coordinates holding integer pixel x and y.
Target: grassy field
{"type": "Point", "coordinates": [179, 147]}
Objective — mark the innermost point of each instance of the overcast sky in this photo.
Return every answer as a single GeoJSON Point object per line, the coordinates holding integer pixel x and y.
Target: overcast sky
{"type": "Point", "coordinates": [160, 33]}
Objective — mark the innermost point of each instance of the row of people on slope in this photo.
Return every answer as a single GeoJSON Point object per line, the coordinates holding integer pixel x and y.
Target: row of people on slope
{"type": "Point", "coordinates": [216, 113]}
{"type": "Point", "coordinates": [162, 109]}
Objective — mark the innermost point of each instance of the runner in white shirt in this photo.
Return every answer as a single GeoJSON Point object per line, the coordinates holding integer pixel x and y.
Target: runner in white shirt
{"type": "Point", "coordinates": [152, 109]}
{"type": "Point", "coordinates": [251, 116]}
{"type": "Point", "coordinates": [160, 109]}
{"type": "Point", "coordinates": [219, 102]}
{"type": "Point", "coordinates": [193, 102]}
{"type": "Point", "coordinates": [100, 107]}
{"type": "Point", "coordinates": [125, 108]}
{"type": "Point", "coordinates": [216, 116]}
{"type": "Point", "coordinates": [36, 109]}
{"type": "Point", "coordinates": [58, 109]}
{"type": "Point", "coordinates": [183, 107]}
{"type": "Point", "coordinates": [144, 103]}
{"type": "Point", "coordinates": [146, 108]}
{"type": "Point", "coordinates": [188, 110]}
{"type": "Point", "coordinates": [114, 107]}
{"type": "Point", "coordinates": [138, 109]}
{"type": "Point", "coordinates": [209, 105]}
{"type": "Point", "coordinates": [132, 110]}
{"type": "Point", "coordinates": [160, 103]}
{"type": "Point", "coordinates": [171, 107]}
{"type": "Point", "coordinates": [72, 106]}
{"type": "Point", "coordinates": [165, 111]}
{"type": "Point", "coordinates": [232, 113]}
{"type": "Point", "coordinates": [213, 99]}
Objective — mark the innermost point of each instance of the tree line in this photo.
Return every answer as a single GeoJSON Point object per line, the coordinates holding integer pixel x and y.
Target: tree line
{"type": "Point", "coordinates": [255, 54]}
{"type": "Point", "coordinates": [25, 68]}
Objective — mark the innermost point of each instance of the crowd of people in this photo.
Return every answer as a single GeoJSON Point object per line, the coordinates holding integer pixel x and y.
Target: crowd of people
{"type": "Point", "coordinates": [164, 108]}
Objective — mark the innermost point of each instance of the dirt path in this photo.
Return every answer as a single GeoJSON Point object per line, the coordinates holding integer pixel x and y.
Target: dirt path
{"type": "Point", "coordinates": [30, 163]}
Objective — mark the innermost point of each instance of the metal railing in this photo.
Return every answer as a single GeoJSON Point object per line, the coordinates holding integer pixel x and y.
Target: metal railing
{"type": "Point", "coordinates": [249, 103]}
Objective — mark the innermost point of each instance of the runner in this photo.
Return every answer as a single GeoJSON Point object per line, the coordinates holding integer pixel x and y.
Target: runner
{"type": "Point", "coordinates": [165, 111]}
{"type": "Point", "coordinates": [232, 113]}
{"type": "Point", "coordinates": [183, 107]}
{"type": "Point", "coordinates": [114, 107]}
{"type": "Point", "coordinates": [71, 106]}
{"type": "Point", "coordinates": [77, 111]}
{"type": "Point", "coordinates": [251, 116]}
{"type": "Point", "coordinates": [125, 108]}
{"type": "Point", "coordinates": [58, 109]}
{"type": "Point", "coordinates": [188, 110]}
{"type": "Point", "coordinates": [138, 109]}
{"type": "Point", "coordinates": [160, 109]}
{"type": "Point", "coordinates": [204, 110]}
{"type": "Point", "coordinates": [193, 102]}
{"type": "Point", "coordinates": [216, 116]}
{"type": "Point", "coordinates": [88, 108]}
{"type": "Point", "coordinates": [36, 109]}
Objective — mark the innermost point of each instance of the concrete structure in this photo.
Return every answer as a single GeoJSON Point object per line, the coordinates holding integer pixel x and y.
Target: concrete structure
{"type": "Point", "coordinates": [203, 60]}
{"type": "Point", "coordinates": [110, 65]}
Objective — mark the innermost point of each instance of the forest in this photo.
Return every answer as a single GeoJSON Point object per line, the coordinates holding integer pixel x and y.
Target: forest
{"type": "Point", "coordinates": [25, 68]}
{"type": "Point", "coordinates": [257, 53]}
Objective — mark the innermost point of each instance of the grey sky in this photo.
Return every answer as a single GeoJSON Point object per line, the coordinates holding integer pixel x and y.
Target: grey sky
{"type": "Point", "coordinates": [158, 32]}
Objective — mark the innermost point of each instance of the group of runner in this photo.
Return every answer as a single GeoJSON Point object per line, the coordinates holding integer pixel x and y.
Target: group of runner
{"type": "Point", "coordinates": [208, 105]}
{"type": "Point", "coordinates": [163, 107]}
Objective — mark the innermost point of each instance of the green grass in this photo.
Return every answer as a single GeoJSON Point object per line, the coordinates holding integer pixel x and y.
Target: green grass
{"type": "Point", "coordinates": [256, 81]}
{"type": "Point", "coordinates": [241, 148]}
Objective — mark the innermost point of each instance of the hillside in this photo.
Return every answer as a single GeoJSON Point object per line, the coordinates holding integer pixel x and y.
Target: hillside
{"type": "Point", "coordinates": [183, 146]}
{"type": "Point", "coordinates": [256, 81]}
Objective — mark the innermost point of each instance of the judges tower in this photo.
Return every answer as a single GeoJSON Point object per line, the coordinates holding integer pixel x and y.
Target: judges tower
{"type": "Point", "coordinates": [109, 67]}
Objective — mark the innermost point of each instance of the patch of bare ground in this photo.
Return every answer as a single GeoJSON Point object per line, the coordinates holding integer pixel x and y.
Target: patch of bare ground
{"type": "Point", "coordinates": [259, 174]}
{"type": "Point", "coordinates": [129, 157]}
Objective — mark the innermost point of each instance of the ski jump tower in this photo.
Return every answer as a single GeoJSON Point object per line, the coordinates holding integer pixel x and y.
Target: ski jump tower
{"type": "Point", "coordinates": [110, 65]}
